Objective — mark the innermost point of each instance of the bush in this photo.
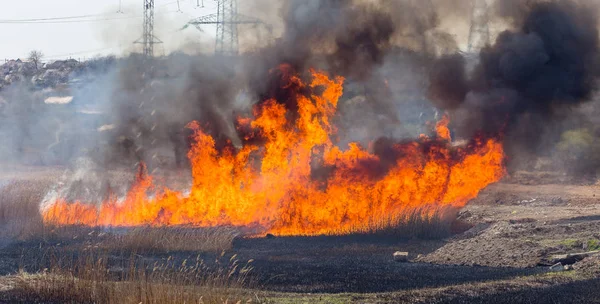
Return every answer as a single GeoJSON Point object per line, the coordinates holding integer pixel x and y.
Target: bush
{"type": "Point", "coordinates": [593, 245]}
{"type": "Point", "coordinates": [579, 152]}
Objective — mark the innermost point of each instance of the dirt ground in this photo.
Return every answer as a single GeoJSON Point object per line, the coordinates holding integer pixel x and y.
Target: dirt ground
{"type": "Point", "coordinates": [520, 225]}
{"type": "Point", "coordinates": [503, 258]}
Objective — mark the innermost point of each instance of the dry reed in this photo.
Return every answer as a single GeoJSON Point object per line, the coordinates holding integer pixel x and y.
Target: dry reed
{"type": "Point", "coordinates": [169, 239]}
{"type": "Point", "coordinates": [19, 210]}
{"type": "Point", "coordinates": [99, 278]}
{"type": "Point", "coordinates": [414, 223]}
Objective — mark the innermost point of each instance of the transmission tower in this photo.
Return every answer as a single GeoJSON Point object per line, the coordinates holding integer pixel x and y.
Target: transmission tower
{"type": "Point", "coordinates": [479, 33]}
{"type": "Point", "coordinates": [148, 39]}
{"type": "Point", "coordinates": [227, 31]}
{"type": "Point", "coordinates": [227, 20]}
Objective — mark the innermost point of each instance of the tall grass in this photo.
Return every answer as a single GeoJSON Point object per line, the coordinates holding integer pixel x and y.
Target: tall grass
{"type": "Point", "coordinates": [81, 274]}
{"type": "Point", "coordinates": [168, 239]}
{"type": "Point", "coordinates": [20, 219]}
{"type": "Point", "coordinates": [98, 278]}
{"type": "Point", "coordinates": [19, 210]}
{"type": "Point", "coordinates": [413, 223]}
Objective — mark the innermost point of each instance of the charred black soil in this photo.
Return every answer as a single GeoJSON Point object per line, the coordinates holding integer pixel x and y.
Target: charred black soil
{"type": "Point", "coordinates": [341, 265]}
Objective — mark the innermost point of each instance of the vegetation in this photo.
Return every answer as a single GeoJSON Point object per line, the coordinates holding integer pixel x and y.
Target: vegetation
{"type": "Point", "coordinates": [593, 245]}
{"type": "Point", "coordinates": [100, 278]}
{"type": "Point", "coordinates": [579, 151]}
{"type": "Point", "coordinates": [19, 210]}
{"type": "Point", "coordinates": [79, 264]}
{"type": "Point", "coordinates": [35, 57]}
{"type": "Point", "coordinates": [166, 239]}
{"type": "Point", "coordinates": [20, 220]}
{"type": "Point", "coordinates": [415, 223]}
{"type": "Point", "coordinates": [578, 244]}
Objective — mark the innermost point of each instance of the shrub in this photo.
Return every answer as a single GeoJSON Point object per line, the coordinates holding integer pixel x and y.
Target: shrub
{"type": "Point", "coordinates": [593, 245]}
{"type": "Point", "coordinates": [579, 151]}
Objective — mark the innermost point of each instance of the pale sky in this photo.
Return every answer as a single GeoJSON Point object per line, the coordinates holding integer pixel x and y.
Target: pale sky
{"type": "Point", "coordinates": [105, 32]}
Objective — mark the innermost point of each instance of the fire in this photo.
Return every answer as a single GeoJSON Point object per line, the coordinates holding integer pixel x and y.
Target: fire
{"type": "Point", "coordinates": [290, 178]}
{"type": "Point", "coordinates": [442, 128]}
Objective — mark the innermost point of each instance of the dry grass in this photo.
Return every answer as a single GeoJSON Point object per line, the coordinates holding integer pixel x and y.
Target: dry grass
{"type": "Point", "coordinates": [416, 223]}
{"type": "Point", "coordinates": [94, 278]}
{"type": "Point", "coordinates": [19, 210]}
{"type": "Point", "coordinates": [80, 274]}
{"type": "Point", "coordinates": [20, 219]}
{"type": "Point", "coordinates": [169, 239]}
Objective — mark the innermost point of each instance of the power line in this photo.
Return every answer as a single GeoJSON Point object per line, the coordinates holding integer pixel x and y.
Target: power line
{"type": "Point", "coordinates": [71, 21]}
{"type": "Point", "coordinates": [79, 21]}
{"type": "Point", "coordinates": [54, 18]}
{"type": "Point", "coordinates": [227, 20]}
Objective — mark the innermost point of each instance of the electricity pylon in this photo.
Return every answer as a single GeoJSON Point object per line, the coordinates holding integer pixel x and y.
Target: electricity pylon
{"type": "Point", "coordinates": [479, 33]}
{"type": "Point", "coordinates": [148, 39]}
{"type": "Point", "coordinates": [227, 20]}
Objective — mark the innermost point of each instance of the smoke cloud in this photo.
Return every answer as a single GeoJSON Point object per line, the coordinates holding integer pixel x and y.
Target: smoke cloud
{"type": "Point", "coordinates": [527, 80]}
{"type": "Point", "coordinates": [400, 60]}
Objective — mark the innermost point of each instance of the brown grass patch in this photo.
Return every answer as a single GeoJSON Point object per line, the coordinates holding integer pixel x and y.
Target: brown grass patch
{"type": "Point", "coordinates": [416, 223]}
{"type": "Point", "coordinates": [19, 210]}
{"type": "Point", "coordinates": [20, 219]}
{"type": "Point", "coordinates": [170, 239]}
{"type": "Point", "coordinates": [94, 278]}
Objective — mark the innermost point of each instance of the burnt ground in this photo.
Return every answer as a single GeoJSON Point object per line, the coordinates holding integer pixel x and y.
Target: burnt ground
{"type": "Point", "coordinates": [341, 265]}
{"type": "Point", "coordinates": [503, 258]}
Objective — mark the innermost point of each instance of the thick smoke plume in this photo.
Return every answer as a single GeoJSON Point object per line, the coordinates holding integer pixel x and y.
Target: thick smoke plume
{"type": "Point", "coordinates": [380, 47]}
{"type": "Point", "coordinates": [525, 83]}
{"type": "Point", "coordinates": [392, 54]}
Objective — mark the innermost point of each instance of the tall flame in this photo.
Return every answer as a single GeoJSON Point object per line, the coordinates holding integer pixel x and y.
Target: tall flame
{"type": "Point", "coordinates": [295, 181]}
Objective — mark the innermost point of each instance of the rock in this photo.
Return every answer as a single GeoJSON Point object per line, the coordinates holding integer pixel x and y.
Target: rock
{"type": "Point", "coordinates": [269, 236]}
{"type": "Point", "coordinates": [464, 215]}
{"type": "Point", "coordinates": [401, 257]}
{"type": "Point", "coordinates": [558, 267]}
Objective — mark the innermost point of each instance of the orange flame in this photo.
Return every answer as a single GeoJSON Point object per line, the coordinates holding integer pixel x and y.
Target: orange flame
{"type": "Point", "coordinates": [275, 184]}
{"type": "Point", "coordinates": [441, 128]}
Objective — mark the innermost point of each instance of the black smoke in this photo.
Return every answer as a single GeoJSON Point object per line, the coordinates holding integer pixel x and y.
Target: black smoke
{"type": "Point", "coordinates": [374, 45]}
{"type": "Point", "coordinates": [527, 80]}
